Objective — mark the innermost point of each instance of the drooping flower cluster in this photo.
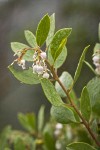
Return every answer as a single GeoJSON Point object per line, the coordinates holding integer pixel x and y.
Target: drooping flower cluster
{"type": "Point", "coordinates": [57, 133]}
{"type": "Point", "coordinates": [96, 61]}
{"type": "Point", "coordinates": [58, 129]}
{"type": "Point", "coordinates": [39, 66]}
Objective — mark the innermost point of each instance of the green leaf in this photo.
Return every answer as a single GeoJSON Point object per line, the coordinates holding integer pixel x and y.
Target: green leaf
{"type": "Point", "coordinates": [93, 88]}
{"type": "Point", "coordinates": [42, 30]}
{"type": "Point", "coordinates": [96, 47]}
{"type": "Point", "coordinates": [31, 119]}
{"type": "Point", "coordinates": [90, 66]}
{"type": "Point", "coordinates": [62, 114]}
{"type": "Point", "coordinates": [94, 126]}
{"type": "Point", "coordinates": [19, 144]}
{"type": "Point", "coordinates": [59, 41]}
{"type": "Point", "coordinates": [52, 29]}
{"type": "Point", "coordinates": [30, 38]}
{"type": "Point", "coordinates": [25, 76]}
{"type": "Point", "coordinates": [60, 60]}
{"type": "Point", "coordinates": [49, 141]}
{"type": "Point", "coordinates": [66, 80]}
{"type": "Point", "coordinates": [51, 93]}
{"type": "Point", "coordinates": [96, 108]}
{"type": "Point", "coordinates": [16, 46]}
{"type": "Point", "coordinates": [80, 146]}
{"type": "Point", "coordinates": [27, 121]}
{"type": "Point", "coordinates": [41, 118]}
{"type": "Point", "coordinates": [79, 67]}
{"type": "Point", "coordinates": [85, 104]}
{"type": "Point", "coordinates": [4, 137]}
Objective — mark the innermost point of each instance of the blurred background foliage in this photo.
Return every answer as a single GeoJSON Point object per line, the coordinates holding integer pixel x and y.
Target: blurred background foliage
{"type": "Point", "coordinates": [17, 16]}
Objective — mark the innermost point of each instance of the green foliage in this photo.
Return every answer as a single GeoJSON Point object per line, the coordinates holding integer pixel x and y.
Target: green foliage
{"type": "Point", "coordinates": [42, 30]}
{"type": "Point", "coordinates": [79, 67]}
{"type": "Point", "coordinates": [94, 126]}
{"type": "Point", "coordinates": [19, 145]}
{"type": "Point", "coordinates": [51, 31]}
{"type": "Point", "coordinates": [49, 88]}
{"type": "Point", "coordinates": [80, 145]}
{"type": "Point", "coordinates": [62, 114]}
{"type": "Point", "coordinates": [59, 41]}
{"type": "Point", "coordinates": [46, 136]}
{"type": "Point", "coordinates": [18, 47]}
{"type": "Point", "coordinates": [4, 137]}
{"type": "Point", "coordinates": [93, 87]}
{"type": "Point", "coordinates": [85, 104]}
{"type": "Point", "coordinates": [60, 60]}
{"type": "Point", "coordinates": [30, 38]}
{"type": "Point", "coordinates": [28, 121]}
{"type": "Point", "coordinates": [66, 80]}
{"type": "Point", "coordinates": [41, 118]}
{"type": "Point", "coordinates": [25, 76]}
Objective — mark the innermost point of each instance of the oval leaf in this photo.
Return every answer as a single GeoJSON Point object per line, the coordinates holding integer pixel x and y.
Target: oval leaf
{"type": "Point", "coordinates": [42, 30]}
{"type": "Point", "coordinates": [60, 60]}
{"type": "Point", "coordinates": [16, 46]}
{"type": "Point", "coordinates": [85, 104]}
{"type": "Point", "coordinates": [59, 41]}
{"type": "Point", "coordinates": [51, 93]}
{"type": "Point", "coordinates": [30, 38]}
{"type": "Point", "coordinates": [80, 146]}
{"type": "Point", "coordinates": [51, 31]}
{"type": "Point", "coordinates": [66, 80]}
{"type": "Point", "coordinates": [25, 76]}
{"type": "Point", "coordinates": [62, 114]}
{"type": "Point", "coordinates": [93, 88]}
{"type": "Point", "coordinates": [79, 67]}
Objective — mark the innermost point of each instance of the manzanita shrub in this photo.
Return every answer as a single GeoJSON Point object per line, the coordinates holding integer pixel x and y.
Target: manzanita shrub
{"type": "Point", "coordinates": [46, 52]}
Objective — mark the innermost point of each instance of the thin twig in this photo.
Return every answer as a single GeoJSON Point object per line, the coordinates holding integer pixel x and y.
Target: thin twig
{"type": "Point", "coordinates": [55, 76]}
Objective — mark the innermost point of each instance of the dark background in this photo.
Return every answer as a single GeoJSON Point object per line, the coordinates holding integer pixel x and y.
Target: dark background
{"type": "Point", "coordinates": [17, 16]}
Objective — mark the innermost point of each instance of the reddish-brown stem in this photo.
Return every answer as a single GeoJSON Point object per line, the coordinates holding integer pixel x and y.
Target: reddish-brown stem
{"type": "Point", "coordinates": [55, 76]}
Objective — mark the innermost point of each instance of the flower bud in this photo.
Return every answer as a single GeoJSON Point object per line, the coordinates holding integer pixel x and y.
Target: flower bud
{"type": "Point", "coordinates": [43, 55]}
{"type": "Point", "coordinates": [96, 59]}
{"type": "Point", "coordinates": [57, 132]}
{"type": "Point", "coordinates": [59, 126]}
{"type": "Point", "coordinates": [39, 69]}
{"type": "Point", "coordinates": [46, 75]}
{"type": "Point", "coordinates": [58, 145]}
{"type": "Point", "coordinates": [34, 68]}
{"type": "Point", "coordinates": [22, 64]}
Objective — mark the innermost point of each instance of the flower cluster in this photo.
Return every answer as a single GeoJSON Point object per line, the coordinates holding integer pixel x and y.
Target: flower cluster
{"type": "Point", "coordinates": [58, 129]}
{"type": "Point", "coordinates": [39, 66]}
{"type": "Point", "coordinates": [96, 61]}
{"type": "Point", "coordinates": [57, 133]}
